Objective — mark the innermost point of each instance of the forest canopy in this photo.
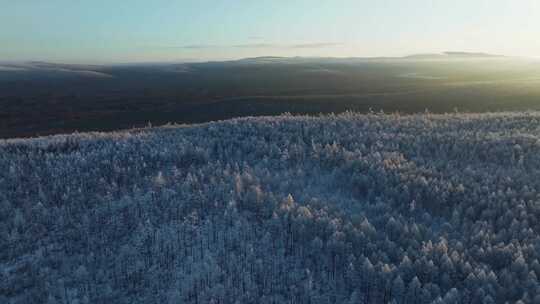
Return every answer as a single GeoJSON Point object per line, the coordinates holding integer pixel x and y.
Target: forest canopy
{"type": "Point", "coordinates": [349, 208]}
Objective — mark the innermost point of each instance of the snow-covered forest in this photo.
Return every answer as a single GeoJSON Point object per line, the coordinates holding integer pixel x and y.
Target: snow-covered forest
{"type": "Point", "coordinates": [344, 208]}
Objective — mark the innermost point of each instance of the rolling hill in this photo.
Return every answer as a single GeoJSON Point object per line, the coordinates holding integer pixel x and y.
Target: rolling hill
{"type": "Point", "coordinates": [348, 208]}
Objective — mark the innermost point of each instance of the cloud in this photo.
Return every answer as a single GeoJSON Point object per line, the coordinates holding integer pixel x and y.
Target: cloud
{"type": "Point", "coordinates": [256, 45]}
{"type": "Point", "coordinates": [196, 46]}
{"type": "Point", "coordinates": [261, 45]}
{"type": "Point", "coordinates": [316, 45]}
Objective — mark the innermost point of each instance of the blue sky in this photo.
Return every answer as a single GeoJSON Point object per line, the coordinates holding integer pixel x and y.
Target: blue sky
{"type": "Point", "coordinates": [166, 30]}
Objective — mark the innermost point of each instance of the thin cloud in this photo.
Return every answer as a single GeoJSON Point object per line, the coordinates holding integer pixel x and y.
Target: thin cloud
{"type": "Point", "coordinates": [187, 47]}
{"type": "Point", "coordinates": [256, 45]}
{"type": "Point", "coordinates": [315, 45]}
{"type": "Point", "coordinates": [197, 46]}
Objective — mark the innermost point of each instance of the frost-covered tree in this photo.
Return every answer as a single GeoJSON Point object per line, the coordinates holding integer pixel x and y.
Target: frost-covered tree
{"type": "Point", "coordinates": [343, 208]}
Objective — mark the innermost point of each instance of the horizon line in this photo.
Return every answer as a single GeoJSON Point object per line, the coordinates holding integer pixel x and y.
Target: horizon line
{"type": "Point", "coordinates": [413, 56]}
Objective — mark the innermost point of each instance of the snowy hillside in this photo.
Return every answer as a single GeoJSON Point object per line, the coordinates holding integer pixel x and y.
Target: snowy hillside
{"type": "Point", "coordinates": [333, 209]}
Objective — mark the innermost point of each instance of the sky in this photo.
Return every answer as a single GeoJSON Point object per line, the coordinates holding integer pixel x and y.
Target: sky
{"type": "Point", "coordinates": [117, 31]}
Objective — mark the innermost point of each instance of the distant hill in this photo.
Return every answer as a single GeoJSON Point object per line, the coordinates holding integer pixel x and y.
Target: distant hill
{"type": "Point", "coordinates": [47, 98]}
{"type": "Point", "coordinates": [452, 55]}
{"type": "Point", "coordinates": [444, 55]}
{"type": "Point", "coordinates": [55, 70]}
{"type": "Point", "coordinates": [469, 54]}
{"type": "Point", "coordinates": [41, 65]}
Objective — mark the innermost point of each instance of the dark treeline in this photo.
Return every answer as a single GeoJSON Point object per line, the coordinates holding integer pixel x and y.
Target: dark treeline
{"type": "Point", "coordinates": [334, 209]}
{"type": "Point", "coordinates": [44, 98]}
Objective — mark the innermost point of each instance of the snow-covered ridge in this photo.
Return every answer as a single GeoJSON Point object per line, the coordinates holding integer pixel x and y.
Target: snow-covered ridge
{"type": "Point", "coordinates": [346, 208]}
